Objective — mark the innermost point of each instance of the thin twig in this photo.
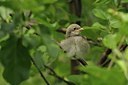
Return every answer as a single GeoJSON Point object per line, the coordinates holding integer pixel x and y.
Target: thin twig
{"type": "Point", "coordinates": [41, 74]}
{"type": "Point", "coordinates": [53, 73]}
{"type": "Point", "coordinates": [62, 30]}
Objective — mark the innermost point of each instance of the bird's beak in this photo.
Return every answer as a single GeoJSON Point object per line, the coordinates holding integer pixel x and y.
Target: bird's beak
{"type": "Point", "coordinates": [81, 29]}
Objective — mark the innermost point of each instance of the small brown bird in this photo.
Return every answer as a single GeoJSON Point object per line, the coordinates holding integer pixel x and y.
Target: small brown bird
{"type": "Point", "coordinates": [75, 45]}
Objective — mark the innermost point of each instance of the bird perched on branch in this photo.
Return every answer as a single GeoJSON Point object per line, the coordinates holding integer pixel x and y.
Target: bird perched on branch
{"type": "Point", "coordinates": [75, 45]}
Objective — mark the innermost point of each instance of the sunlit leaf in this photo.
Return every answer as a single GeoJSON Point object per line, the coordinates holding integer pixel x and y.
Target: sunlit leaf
{"type": "Point", "coordinates": [123, 28]}
{"type": "Point", "coordinates": [126, 53]}
{"type": "Point", "coordinates": [111, 40]}
{"type": "Point", "coordinates": [101, 14]}
{"type": "Point", "coordinates": [101, 76]}
{"type": "Point", "coordinates": [115, 23]}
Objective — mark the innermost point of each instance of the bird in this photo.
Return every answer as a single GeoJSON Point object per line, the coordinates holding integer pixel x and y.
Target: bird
{"type": "Point", "coordinates": [75, 45]}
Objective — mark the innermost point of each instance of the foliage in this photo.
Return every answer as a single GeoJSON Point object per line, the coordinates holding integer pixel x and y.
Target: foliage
{"type": "Point", "coordinates": [28, 30]}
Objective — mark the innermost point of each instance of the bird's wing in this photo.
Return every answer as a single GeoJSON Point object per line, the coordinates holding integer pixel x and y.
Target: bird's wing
{"type": "Point", "coordinates": [82, 46]}
{"type": "Point", "coordinates": [68, 45]}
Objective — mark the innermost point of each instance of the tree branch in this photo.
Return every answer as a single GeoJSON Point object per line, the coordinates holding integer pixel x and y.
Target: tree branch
{"type": "Point", "coordinates": [104, 58]}
{"type": "Point", "coordinates": [62, 30]}
{"type": "Point", "coordinates": [53, 73]}
{"type": "Point", "coordinates": [41, 74]}
{"type": "Point", "coordinates": [104, 61]}
{"type": "Point", "coordinates": [75, 7]}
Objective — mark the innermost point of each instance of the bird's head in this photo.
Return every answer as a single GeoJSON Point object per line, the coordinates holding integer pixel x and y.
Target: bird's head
{"type": "Point", "coordinates": [73, 30]}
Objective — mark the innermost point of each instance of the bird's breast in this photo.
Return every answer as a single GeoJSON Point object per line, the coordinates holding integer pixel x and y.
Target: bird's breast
{"type": "Point", "coordinates": [75, 46]}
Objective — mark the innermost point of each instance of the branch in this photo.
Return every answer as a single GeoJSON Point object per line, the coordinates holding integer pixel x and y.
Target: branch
{"type": "Point", "coordinates": [82, 61]}
{"type": "Point", "coordinates": [104, 61]}
{"type": "Point", "coordinates": [53, 73]}
{"type": "Point", "coordinates": [118, 3]}
{"type": "Point", "coordinates": [62, 30]}
{"type": "Point", "coordinates": [75, 7]}
{"type": "Point", "coordinates": [104, 58]}
{"type": "Point", "coordinates": [41, 74]}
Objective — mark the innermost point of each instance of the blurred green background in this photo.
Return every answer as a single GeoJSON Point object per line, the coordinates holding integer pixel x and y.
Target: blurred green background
{"type": "Point", "coordinates": [28, 29]}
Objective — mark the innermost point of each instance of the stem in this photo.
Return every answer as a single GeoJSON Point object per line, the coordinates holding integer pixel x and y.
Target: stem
{"type": "Point", "coordinates": [112, 61]}
{"type": "Point", "coordinates": [41, 74]}
{"type": "Point", "coordinates": [53, 73]}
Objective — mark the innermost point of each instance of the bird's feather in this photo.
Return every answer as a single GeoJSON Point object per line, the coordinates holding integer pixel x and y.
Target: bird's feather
{"type": "Point", "coordinates": [68, 45]}
{"type": "Point", "coordinates": [75, 46]}
{"type": "Point", "coordinates": [82, 46]}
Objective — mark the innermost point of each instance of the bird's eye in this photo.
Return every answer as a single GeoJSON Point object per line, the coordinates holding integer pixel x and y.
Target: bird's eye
{"type": "Point", "coordinates": [75, 28]}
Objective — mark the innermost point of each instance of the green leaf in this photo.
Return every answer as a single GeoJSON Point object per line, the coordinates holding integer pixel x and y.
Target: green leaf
{"type": "Point", "coordinates": [124, 28]}
{"type": "Point", "coordinates": [115, 23]}
{"type": "Point", "coordinates": [89, 31]}
{"type": "Point", "coordinates": [38, 59]}
{"type": "Point", "coordinates": [4, 13]}
{"type": "Point", "coordinates": [33, 5]}
{"type": "Point", "coordinates": [61, 69]}
{"type": "Point", "coordinates": [39, 56]}
{"type": "Point", "coordinates": [79, 79]}
{"type": "Point", "coordinates": [9, 27]}
{"type": "Point", "coordinates": [98, 26]}
{"type": "Point", "coordinates": [123, 65]}
{"type": "Point", "coordinates": [52, 48]}
{"type": "Point", "coordinates": [11, 4]}
{"type": "Point", "coordinates": [101, 14]}
{"type": "Point", "coordinates": [3, 36]}
{"type": "Point", "coordinates": [111, 40]}
{"type": "Point", "coordinates": [16, 61]}
{"type": "Point", "coordinates": [126, 53]}
{"type": "Point", "coordinates": [104, 76]}
{"type": "Point", "coordinates": [30, 39]}
{"type": "Point", "coordinates": [23, 5]}
{"type": "Point", "coordinates": [97, 51]}
{"type": "Point", "coordinates": [125, 1]}
{"type": "Point", "coordinates": [49, 1]}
